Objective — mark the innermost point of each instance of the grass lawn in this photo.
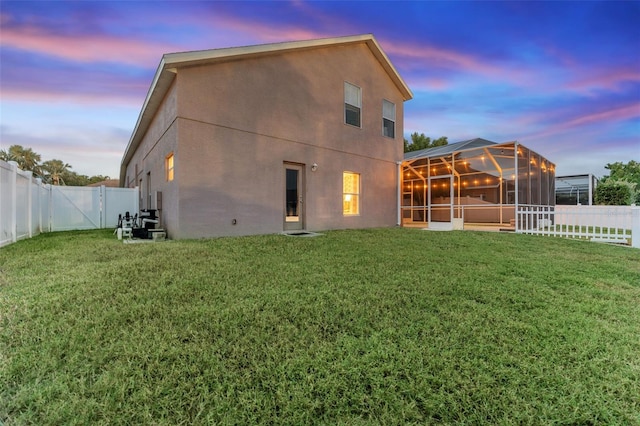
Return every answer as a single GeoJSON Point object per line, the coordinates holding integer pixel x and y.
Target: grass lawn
{"type": "Point", "coordinates": [384, 326]}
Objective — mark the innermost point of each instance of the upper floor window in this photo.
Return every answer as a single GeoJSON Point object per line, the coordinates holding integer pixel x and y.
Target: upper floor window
{"type": "Point", "coordinates": [352, 104]}
{"type": "Point", "coordinates": [168, 167]}
{"type": "Point", "coordinates": [388, 118]}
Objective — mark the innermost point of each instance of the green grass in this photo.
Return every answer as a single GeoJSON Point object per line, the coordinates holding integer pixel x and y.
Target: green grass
{"type": "Point", "coordinates": [384, 326]}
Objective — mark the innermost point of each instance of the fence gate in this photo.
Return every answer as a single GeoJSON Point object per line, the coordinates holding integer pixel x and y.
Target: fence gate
{"type": "Point", "coordinates": [74, 208]}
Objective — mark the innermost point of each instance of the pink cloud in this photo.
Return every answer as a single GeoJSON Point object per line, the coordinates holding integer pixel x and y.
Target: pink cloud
{"type": "Point", "coordinates": [87, 48]}
{"type": "Point", "coordinates": [425, 58]}
{"type": "Point", "coordinates": [429, 84]}
{"type": "Point", "coordinates": [626, 112]}
{"type": "Point", "coordinates": [95, 85]}
{"type": "Point", "coordinates": [55, 96]}
{"type": "Point", "coordinates": [611, 79]}
{"type": "Point", "coordinates": [437, 56]}
{"type": "Point", "coordinates": [617, 114]}
{"type": "Point", "coordinates": [264, 33]}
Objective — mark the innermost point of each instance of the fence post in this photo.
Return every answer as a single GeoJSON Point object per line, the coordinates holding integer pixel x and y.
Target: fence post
{"type": "Point", "coordinates": [635, 227]}
{"type": "Point", "coordinates": [30, 205]}
{"type": "Point", "coordinates": [103, 207]}
{"type": "Point", "coordinates": [49, 207]}
{"type": "Point", "coordinates": [39, 198]}
{"type": "Point", "coordinates": [13, 183]}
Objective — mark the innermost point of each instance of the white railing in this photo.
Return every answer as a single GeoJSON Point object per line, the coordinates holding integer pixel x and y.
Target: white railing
{"type": "Point", "coordinates": [29, 207]}
{"type": "Point", "coordinates": [615, 224]}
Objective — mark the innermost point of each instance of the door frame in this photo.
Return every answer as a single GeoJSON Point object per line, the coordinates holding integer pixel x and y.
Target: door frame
{"type": "Point", "coordinates": [441, 207]}
{"type": "Point", "coordinates": [288, 222]}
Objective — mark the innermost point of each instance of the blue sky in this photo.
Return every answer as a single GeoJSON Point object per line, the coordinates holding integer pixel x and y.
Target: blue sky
{"type": "Point", "coordinates": [563, 78]}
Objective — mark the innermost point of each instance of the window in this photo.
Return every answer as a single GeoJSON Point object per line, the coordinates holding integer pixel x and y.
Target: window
{"type": "Point", "coordinates": [350, 193]}
{"type": "Point", "coordinates": [168, 167]}
{"type": "Point", "coordinates": [352, 104]}
{"type": "Point", "coordinates": [388, 119]}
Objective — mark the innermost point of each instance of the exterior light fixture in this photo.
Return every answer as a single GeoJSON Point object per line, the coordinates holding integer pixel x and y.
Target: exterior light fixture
{"type": "Point", "coordinates": [314, 167]}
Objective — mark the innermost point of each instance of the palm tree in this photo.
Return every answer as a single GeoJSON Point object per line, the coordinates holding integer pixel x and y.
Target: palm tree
{"type": "Point", "coordinates": [55, 171]}
{"type": "Point", "coordinates": [26, 158]}
{"type": "Point", "coordinates": [5, 156]}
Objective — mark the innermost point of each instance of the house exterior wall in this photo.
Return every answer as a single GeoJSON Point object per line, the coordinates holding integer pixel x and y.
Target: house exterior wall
{"type": "Point", "coordinates": [160, 139]}
{"type": "Point", "coordinates": [233, 125]}
{"type": "Point", "coordinates": [245, 181]}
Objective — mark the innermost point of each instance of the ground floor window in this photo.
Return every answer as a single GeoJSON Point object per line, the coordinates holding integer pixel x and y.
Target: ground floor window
{"type": "Point", "coordinates": [168, 166]}
{"type": "Point", "coordinates": [350, 193]}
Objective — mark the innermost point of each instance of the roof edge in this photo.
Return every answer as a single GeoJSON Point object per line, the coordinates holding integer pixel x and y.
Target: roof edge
{"type": "Point", "coordinates": [229, 52]}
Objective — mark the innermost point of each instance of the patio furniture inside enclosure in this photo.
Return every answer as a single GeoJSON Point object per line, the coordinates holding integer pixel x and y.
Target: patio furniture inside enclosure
{"type": "Point", "coordinates": [474, 181]}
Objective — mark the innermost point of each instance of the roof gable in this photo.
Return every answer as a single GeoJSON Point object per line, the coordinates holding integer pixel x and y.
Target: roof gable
{"type": "Point", "coordinates": [203, 57]}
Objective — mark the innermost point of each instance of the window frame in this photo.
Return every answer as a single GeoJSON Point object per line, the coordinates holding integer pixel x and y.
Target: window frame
{"type": "Point", "coordinates": [169, 167]}
{"type": "Point", "coordinates": [385, 119]}
{"type": "Point", "coordinates": [350, 194]}
{"type": "Point", "coordinates": [348, 103]}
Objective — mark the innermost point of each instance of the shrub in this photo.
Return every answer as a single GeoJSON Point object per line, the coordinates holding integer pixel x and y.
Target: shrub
{"type": "Point", "coordinates": [616, 193]}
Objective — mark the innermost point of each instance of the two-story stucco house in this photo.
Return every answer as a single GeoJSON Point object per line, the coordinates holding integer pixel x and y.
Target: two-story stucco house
{"type": "Point", "coordinates": [304, 135]}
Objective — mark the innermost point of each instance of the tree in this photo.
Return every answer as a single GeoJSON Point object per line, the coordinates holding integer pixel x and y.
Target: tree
{"type": "Point", "coordinates": [97, 178]}
{"type": "Point", "coordinates": [5, 156]}
{"type": "Point", "coordinates": [629, 172]}
{"type": "Point", "coordinates": [420, 141]}
{"type": "Point", "coordinates": [26, 158]}
{"type": "Point", "coordinates": [56, 171]}
{"type": "Point", "coordinates": [615, 193]}
{"type": "Point", "coordinates": [622, 179]}
{"type": "Point", "coordinates": [53, 171]}
{"type": "Point", "coordinates": [74, 179]}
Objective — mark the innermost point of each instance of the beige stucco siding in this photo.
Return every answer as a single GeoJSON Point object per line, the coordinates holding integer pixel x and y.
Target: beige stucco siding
{"type": "Point", "coordinates": [160, 139]}
{"type": "Point", "coordinates": [161, 122]}
{"type": "Point", "coordinates": [233, 122]}
{"type": "Point", "coordinates": [239, 122]}
{"type": "Point", "coordinates": [232, 177]}
{"type": "Point", "coordinates": [226, 177]}
{"type": "Point", "coordinates": [297, 96]}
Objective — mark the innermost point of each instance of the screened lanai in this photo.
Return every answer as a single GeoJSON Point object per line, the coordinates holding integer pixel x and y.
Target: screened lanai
{"type": "Point", "coordinates": [576, 189]}
{"type": "Point", "coordinates": [474, 182]}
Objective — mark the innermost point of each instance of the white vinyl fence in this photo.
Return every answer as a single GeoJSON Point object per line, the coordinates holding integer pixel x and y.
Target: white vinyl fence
{"type": "Point", "coordinates": [29, 207]}
{"type": "Point", "coordinates": [614, 224]}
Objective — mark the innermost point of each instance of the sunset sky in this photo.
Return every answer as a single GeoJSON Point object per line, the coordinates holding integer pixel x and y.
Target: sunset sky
{"type": "Point", "coordinates": [563, 78]}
